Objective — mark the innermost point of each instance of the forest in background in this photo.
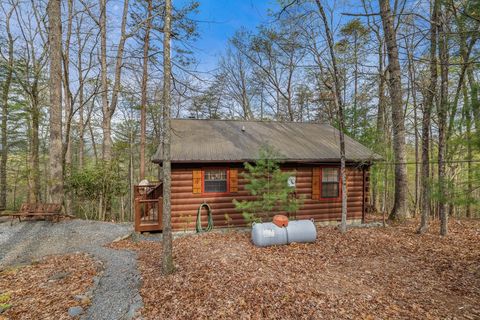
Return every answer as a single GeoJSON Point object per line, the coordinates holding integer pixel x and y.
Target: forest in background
{"type": "Point", "coordinates": [292, 68]}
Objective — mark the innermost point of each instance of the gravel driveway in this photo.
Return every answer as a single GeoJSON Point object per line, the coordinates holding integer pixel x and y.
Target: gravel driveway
{"type": "Point", "coordinates": [116, 294]}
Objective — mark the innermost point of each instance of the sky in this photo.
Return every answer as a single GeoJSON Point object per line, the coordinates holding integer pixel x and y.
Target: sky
{"type": "Point", "coordinates": [219, 19]}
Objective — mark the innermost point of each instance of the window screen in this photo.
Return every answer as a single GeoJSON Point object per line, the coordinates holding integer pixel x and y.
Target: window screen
{"type": "Point", "coordinates": [330, 183]}
{"type": "Point", "coordinates": [215, 180]}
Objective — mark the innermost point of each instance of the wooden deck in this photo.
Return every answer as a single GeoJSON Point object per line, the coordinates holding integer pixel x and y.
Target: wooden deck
{"type": "Point", "coordinates": [148, 207]}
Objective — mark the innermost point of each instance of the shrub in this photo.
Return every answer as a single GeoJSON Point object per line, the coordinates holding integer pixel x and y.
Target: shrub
{"type": "Point", "coordinates": [270, 185]}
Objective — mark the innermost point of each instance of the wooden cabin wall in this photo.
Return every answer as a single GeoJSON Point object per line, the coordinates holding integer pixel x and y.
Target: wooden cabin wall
{"type": "Point", "coordinates": [185, 203]}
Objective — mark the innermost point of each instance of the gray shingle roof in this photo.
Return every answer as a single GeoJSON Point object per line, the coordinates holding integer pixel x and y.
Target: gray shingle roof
{"type": "Point", "coordinates": [224, 140]}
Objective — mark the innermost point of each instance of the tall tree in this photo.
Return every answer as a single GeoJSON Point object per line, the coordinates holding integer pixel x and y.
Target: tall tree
{"type": "Point", "coordinates": [5, 96]}
{"type": "Point", "coordinates": [55, 155]}
{"type": "Point", "coordinates": [400, 210]}
{"type": "Point", "coordinates": [84, 98]}
{"type": "Point", "coordinates": [341, 118]}
{"type": "Point", "coordinates": [427, 110]}
{"type": "Point", "coordinates": [442, 122]}
{"type": "Point", "coordinates": [108, 107]}
{"type": "Point", "coordinates": [31, 77]}
{"type": "Point", "coordinates": [275, 55]}
{"type": "Point", "coordinates": [167, 256]}
{"type": "Point", "coordinates": [382, 136]}
{"type": "Point", "coordinates": [81, 92]}
{"type": "Point", "coordinates": [355, 37]}
{"type": "Point", "coordinates": [412, 87]}
{"type": "Point", "coordinates": [143, 111]}
{"type": "Point", "coordinates": [68, 103]}
{"type": "Point", "coordinates": [235, 74]}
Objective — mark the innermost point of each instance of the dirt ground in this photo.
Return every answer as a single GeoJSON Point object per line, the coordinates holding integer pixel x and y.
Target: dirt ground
{"type": "Point", "coordinates": [48, 288]}
{"type": "Point", "coordinates": [370, 273]}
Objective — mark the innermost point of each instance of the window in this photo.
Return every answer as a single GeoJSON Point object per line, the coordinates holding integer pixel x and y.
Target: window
{"type": "Point", "coordinates": [330, 179]}
{"type": "Point", "coordinates": [215, 180]}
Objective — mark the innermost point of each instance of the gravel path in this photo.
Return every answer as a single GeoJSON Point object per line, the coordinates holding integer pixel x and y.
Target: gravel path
{"type": "Point", "coordinates": [116, 294]}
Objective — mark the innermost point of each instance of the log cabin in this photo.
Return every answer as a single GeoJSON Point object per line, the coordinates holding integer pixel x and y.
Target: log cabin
{"type": "Point", "coordinates": [208, 159]}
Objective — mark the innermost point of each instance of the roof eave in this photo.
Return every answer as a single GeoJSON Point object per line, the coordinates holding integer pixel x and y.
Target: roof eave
{"type": "Point", "coordinates": [368, 161]}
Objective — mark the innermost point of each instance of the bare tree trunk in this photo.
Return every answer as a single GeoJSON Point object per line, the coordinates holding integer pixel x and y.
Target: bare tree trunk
{"type": "Point", "coordinates": [122, 209]}
{"type": "Point", "coordinates": [34, 172]}
{"type": "Point", "coordinates": [466, 48]}
{"type": "Point", "coordinates": [29, 79]}
{"type": "Point", "coordinates": [442, 123]}
{"type": "Point", "coordinates": [15, 190]}
{"type": "Point", "coordinates": [92, 136]}
{"type": "Point", "coordinates": [428, 106]}
{"type": "Point", "coordinates": [412, 87]}
{"type": "Point", "coordinates": [468, 133]}
{"type": "Point", "coordinates": [341, 120]}
{"type": "Point", "coordinates": [67, 145]}
{"type": "Point", "coordinates": [247, 111]}
{"type": "Point", "coordinates": [380, 134]}
{"type": "Point", "coordinates": [131, 169]}
{"type": "Point", "coordinates": [355, 86]}
{"type": "Point", "coordinates": [81, 121]}
{"type": "Point", "coordinates": [106, 122]}
{"type": "Point", "coordinates": [167, 257]}
{"type": "Point", "coordinates": [400, 210]}
{"type": "Point", "coordinates": [291, 68]}
{"type": "Point", "coordinates": [143, 122]}
{"type": "Point", "coordinates": [5, 94]}
{"type": "Point", "coordinates": [67, 153]}
{"type": "Point", "coordinates": [55, 155]}
{"type": "Point", "coordinates": [109, 109]}
{"type": "Point", "coordinates": [81, 132]}
{"type": "Point", "coordinates": [433, 207]}
{"type": "Point", "coordinates": [475, 103]}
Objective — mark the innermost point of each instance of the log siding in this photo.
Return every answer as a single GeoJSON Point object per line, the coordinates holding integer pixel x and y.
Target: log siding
{"type": "Point", "coordinates": [185, 202]}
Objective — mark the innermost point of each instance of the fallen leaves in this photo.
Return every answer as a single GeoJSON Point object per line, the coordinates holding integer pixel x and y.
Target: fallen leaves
{"type": "Point", "coordinates": [367, 273]}
{"type": "Point", "coordinates": [47, 288]}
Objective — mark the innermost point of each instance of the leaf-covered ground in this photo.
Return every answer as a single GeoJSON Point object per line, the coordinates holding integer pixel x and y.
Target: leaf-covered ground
{"type": "Point", "coordinates": [47, 289]}
{"type": "Point", "coordinates": [375, 273]}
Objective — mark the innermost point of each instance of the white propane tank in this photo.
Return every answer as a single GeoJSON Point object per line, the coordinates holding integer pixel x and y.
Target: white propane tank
{"type": "Point", "coordinates": [301, 231]}
{"type": "Point", "coordinates": [268, 234]}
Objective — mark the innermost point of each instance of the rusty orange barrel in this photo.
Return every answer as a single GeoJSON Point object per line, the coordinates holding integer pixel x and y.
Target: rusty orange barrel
{"type": "Point", "coordinates": [280, 220]}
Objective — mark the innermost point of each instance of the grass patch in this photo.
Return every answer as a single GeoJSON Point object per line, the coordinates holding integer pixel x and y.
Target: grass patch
{"type": "Point", "coordinates": [4, 307]}
{"type": "Point", "coordinates": [5, 297]}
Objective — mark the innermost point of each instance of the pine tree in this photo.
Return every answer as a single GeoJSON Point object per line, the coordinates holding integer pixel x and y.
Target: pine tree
{"type": "Point", "coordinates": [269, 184]}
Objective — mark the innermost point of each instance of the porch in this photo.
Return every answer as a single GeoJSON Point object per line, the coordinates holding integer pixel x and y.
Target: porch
{"type": "Point", "coordinates": [148, 207]}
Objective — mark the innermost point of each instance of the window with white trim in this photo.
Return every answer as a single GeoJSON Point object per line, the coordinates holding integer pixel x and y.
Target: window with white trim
{"type": "Point", "coordinates": [215, 180]}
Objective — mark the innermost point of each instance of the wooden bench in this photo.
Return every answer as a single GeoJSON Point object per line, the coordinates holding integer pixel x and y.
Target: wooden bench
{"type": "Point", "coordinates": [38, 210]}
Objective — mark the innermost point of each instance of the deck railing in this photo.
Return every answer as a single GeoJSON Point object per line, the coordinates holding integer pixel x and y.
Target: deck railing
{"type": "Point", "coordinates": [148, 207]}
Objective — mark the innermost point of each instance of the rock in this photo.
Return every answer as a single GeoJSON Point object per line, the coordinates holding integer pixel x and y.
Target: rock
{"type": "Point", "coordinates": [82, 299]}
{"type": "Point", "coordinates": [374, 224]}
{"type": "Point", "coordinates": [79, 297]}
{"type": "Point", "coordinates": [75, 311]}
{"type": "Point", "coordinates": [126, 236]}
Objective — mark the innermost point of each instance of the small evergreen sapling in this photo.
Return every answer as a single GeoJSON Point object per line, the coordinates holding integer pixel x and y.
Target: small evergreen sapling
{"type": "Point", "coordinates": [270, 185]}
